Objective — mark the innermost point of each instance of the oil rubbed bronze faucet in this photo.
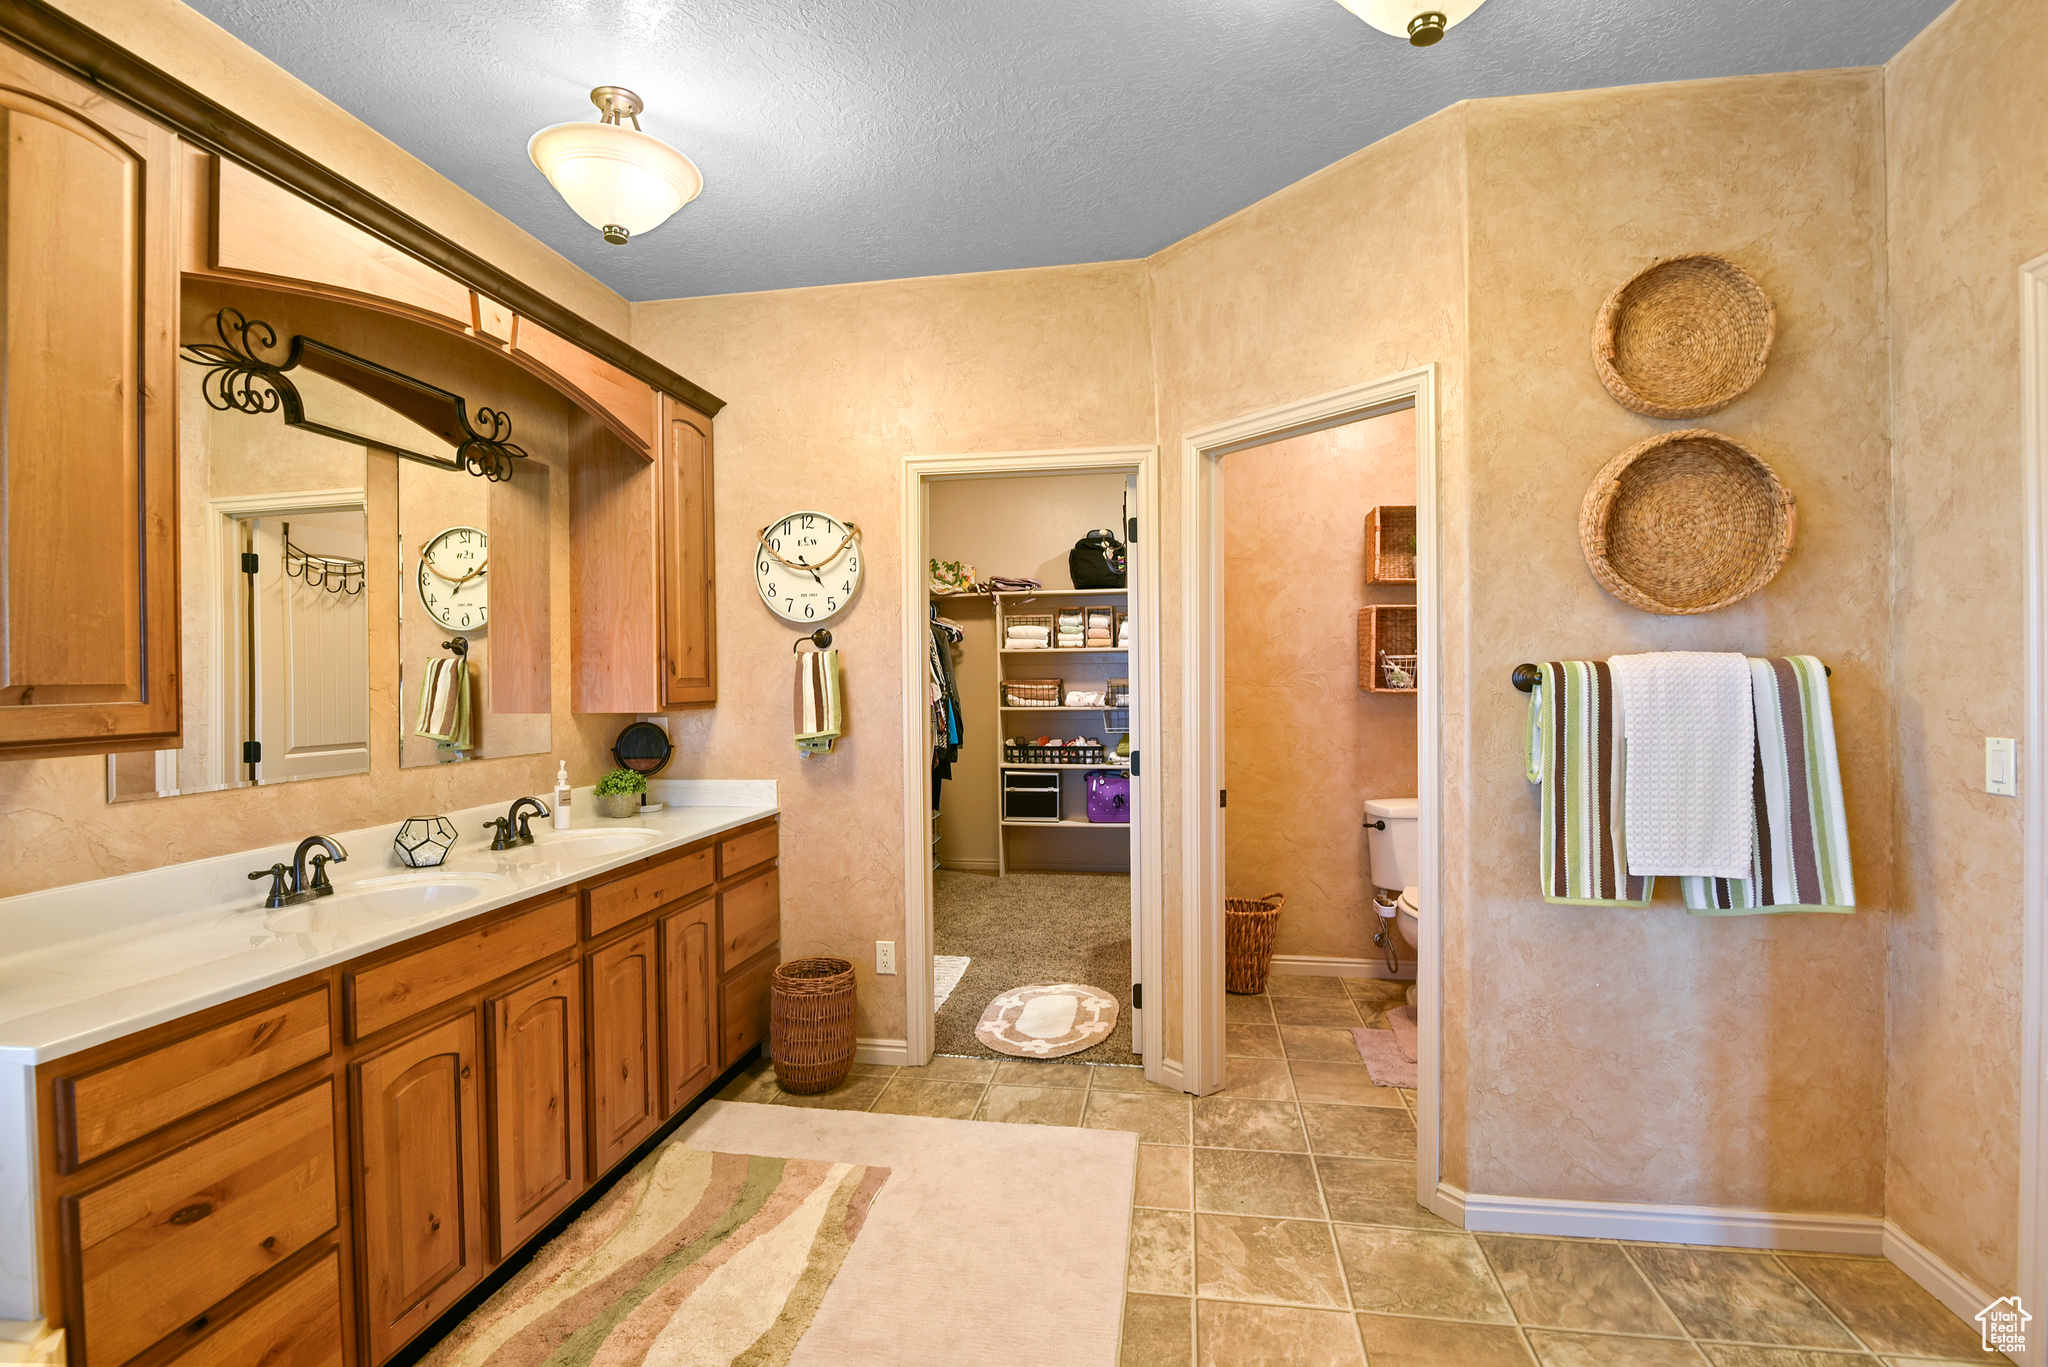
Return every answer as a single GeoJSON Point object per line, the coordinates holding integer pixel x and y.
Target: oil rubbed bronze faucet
{"type": "Point", "coordinates": [288, 883]}
{"type": "Point", "coordinates": [524, 810]}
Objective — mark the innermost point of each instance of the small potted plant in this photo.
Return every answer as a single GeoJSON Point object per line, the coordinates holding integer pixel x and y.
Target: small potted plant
{"type": "Point", "coordinates": [619, 792]}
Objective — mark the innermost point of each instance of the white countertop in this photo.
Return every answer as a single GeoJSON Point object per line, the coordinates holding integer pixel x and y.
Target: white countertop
{"type": "Point", "coordinates": [83, 964]}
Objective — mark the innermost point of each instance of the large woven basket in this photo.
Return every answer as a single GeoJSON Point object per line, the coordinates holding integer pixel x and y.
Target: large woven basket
{"type": "Point", "coordinates": [1248, 925]}
{"type": "Point", "coordinates": [810, 1024]}
{"type": "Point", "coordinates": [1686, 522]}
{"type": "Point", "coordinates": [1684, 337]}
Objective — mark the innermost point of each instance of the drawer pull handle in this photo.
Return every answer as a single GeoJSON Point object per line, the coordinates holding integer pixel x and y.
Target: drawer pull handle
{"type": "Point", "coordinates": [465, 1072]}
{"type": "Point", "coordinates": [192, 1214]}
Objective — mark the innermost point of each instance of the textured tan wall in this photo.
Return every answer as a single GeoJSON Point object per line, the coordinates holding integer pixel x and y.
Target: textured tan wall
{"type": "Point", "coordinates": [1303, 744]}
{"type": "Point", "coordinates": [1968, 171]}
{"type": "Point", "coordinates": [829, 389]}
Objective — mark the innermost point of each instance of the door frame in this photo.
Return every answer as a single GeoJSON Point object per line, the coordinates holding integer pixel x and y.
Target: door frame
{"type": "Point", "coordinates": [1202, 843]}
{"type": "Point", "coordinates": [2033, 777]}
{"type": "Point", "coordinates": [1147, 857]}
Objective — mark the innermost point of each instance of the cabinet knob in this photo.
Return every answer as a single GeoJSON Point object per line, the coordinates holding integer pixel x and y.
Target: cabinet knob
{"type": "Point", "coordinates": [271, 1243]}
{"type": "Point", "coordinates": [465, 1072]}
{"type": "Point", "coordinates": [433, 1224]}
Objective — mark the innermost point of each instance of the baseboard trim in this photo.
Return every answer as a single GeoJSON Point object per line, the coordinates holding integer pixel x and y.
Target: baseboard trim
{"type": "Point", "coordinates": [894, 1052]}
{"type": "Point", "coordinates": [1728, 1226]}
{"type": "Point", "coordinates": [1329, 966]}
{"type": "Point", "coordinates": [968, 865]}
{"type": "Point", "coordinates": [1941, 1281]}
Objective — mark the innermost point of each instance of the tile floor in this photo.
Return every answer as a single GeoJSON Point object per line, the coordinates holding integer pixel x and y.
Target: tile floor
{"type": "Point", "coordinates": [1275, 1223]}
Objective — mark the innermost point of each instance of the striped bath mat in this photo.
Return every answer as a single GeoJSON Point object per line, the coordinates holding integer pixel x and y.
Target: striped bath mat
{"type": "Point", "coordinates": [693, 1260]}
{"type": "Point", "coordinates": [1575, 752]}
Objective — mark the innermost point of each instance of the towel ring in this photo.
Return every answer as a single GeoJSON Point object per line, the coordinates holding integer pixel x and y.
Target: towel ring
{"type": "Point", "coordinates": [820, 638]}
{"type": "Point", "coordinates": [460, 645]}
{"type": "Point", "coordinates": [1527, 676]}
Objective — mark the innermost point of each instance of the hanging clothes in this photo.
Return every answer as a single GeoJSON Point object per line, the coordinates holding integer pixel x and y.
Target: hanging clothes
{"type": "Point", "coordinates": [943, 695]}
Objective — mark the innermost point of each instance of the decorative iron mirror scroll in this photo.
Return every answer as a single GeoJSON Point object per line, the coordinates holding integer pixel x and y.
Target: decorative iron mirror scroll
{"type": "Point", "coordinates": [238, 379]}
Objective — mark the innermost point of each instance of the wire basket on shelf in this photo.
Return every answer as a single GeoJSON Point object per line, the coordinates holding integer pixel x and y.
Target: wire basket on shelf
{"type": "Point", "coordinates": [1026, 619]}
{"type": "Point", "coordinates": [1397, 672]}
{"type": "Point", "coordinates": [1032, 693]}
{"type": "Point", "coordinates": [1082, 751]}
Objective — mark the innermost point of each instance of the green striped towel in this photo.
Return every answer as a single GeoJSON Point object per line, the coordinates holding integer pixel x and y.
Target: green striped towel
{"type": "Point", "coordinates": [1575, 753]}
{"type": "Point", "coordinates": [1799, 857]}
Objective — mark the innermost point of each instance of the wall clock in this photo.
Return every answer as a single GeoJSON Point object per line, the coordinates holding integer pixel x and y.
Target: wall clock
{"type": "Point", "coordinates": [808, 566]}
{"type": "Point", "coordinates": [452, 582]}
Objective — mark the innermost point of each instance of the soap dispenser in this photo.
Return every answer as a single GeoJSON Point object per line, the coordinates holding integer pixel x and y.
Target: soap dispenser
{"type": "Point", "coordinates": [562, 792]}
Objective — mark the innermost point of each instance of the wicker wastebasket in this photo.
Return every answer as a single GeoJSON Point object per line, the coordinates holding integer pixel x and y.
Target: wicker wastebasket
{"type": "Point", "coordinates": [1248, 925]}
{"type": "Point", "coordinates": [810, 1024]}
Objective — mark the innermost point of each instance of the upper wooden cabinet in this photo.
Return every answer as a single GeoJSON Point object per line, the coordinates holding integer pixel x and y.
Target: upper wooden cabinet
{"type": "Point", "coordinates": [88, 319]}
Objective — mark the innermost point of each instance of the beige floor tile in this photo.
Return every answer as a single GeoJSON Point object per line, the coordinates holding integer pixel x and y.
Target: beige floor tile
{"type": "Point", "coordinates": [1885, 1308]}
{"type": "Point", "coordinates": [1315, 1011]}
{"type": "Point", "coordinates": [944, 1100]}
{"type": "Point", "coordinates": [1359, 1131]}
{"type": "Point", "coordinates": [1257, 1079]}
{"type": "Point", "coordinates": [1159, 1331]}
{"type": "Point", "coordinates": [1576, 1284]}
{"type": "Point", "coordinates": [1229, 1122]}
{"type": "Point", "coordinates": [1326, 1043]}
{"type": "Point", "coordinates": [1256, 1258]}
{"type": "Point", "coordinates": [1374, 1191]}
{"type": "Point", "coordinates": [1239, 1182]}
{"type": "Point", "coordinates": [854, 1094]}
{"type": "Point", "coordinates": [1165, 1177]}
{"type": "Point", "coordinates": [1162, 1253]}
{"type": "Point", "coordinates": [1032, 1105]}
{"type": "Point", "coordinates": [1741, 1355]}
{"type": "Point", "coordinates": [1554, 1349]}
{"type": "Point", "coordinates": [944, 1068]}
{"type": "Point", "coordinates": [1342, 1084]}
{"type": "Point", "coordinates": [1247, 1010]}
{"type": "Point", "coordinates": [872, 1070]}
{"type": "Point", "coordinates": [757, 1083]}
{"type": "Point", "coordinates": [1303, 985]}
{"type": "Point", "coordinates": [1117, 1078]}
{"type": "Point", "coordinates": [1378, 991]}
{"type": "Point", "coordinates": [1391, 1341]}
{"type": "Point", "coordinates": [1420, 1272]}
{"type": "Point", "coordinates": [1033, 1073]}
{"type": "Point", "coordinates": [1747, 1297]}
{"type": "Point", "coordinates": [1230, 1335]}
{"type": "Point", "coordinates": [1251, 1041]}
{"type": "Point", "coordinates": [1154, 1119]}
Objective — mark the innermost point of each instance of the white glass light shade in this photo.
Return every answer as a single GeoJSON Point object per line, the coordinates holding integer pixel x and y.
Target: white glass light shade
{"type": "Point", "coordinates": [621, 181]}
{"type": "Point", "coordinates": [1398, 17]}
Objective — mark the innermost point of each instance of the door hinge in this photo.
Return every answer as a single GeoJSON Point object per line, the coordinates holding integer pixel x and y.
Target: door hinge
{"type": "Point", "coordinates": [1134, 764]}
{"type": "Point", "coordinates": [252, 752]}
{"type": "Point", "coordinates": [1131, 530]}
{"type": "Point", "coordinates": [1223, 797]}
{"type": "Point", "coordinates": [1137, 996]}
{"type": "Point", "coordinates": [249, 562]}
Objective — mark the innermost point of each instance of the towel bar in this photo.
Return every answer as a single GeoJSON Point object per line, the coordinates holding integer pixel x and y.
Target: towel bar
{"type": "Point", "coordinates": [1526, 676]}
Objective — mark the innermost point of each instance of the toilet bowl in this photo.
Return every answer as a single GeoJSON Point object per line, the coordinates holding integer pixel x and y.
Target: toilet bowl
{"type": "Point", "coordinates": [1409, 909]}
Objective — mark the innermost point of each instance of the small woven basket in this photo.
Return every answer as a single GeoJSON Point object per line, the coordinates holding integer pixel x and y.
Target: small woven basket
{"type": "Point", "coordinates": [1684, 337]}
{"type": "Point", "coordinates": [1248, 925]}
{"type": "Point", "coordinates": [810, 1024]}
{"type": "Point", "coordinates": [1685, 523]}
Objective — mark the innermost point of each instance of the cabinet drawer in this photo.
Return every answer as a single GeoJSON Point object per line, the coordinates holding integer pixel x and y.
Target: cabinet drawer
{"type": "Point", "coordinates": [99, 1111]}
{"type": "Point", "coordinates": [738, 853]}
{"type": "Point", "coordinates": [619, 901]}
{"type": "Point", "coordinates": [749, 919]}
{"type": "Point", "coordinates": [391, 991]}
{"type": "Point", "coordinates": [297, 1325]}
{"type": "Point", "coordinates": [155, 1248]}
{"type": "Point", "coordinates": [743, 1011]}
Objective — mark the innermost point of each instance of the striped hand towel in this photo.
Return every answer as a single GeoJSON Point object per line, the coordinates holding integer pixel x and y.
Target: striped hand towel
{"type": "Point", "coordinates": [1575, 753]}
{"type": "Point", "coordinates": [818, 716]}
{"type": "Point", "coordinates": [444, 703]}
{"type": "Point", "coordinates": [1799, 858]}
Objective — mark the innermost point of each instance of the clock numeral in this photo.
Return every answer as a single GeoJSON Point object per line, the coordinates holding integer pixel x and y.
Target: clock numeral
{"type": "Point", "coordinates": [789, 605]}
{"type": "Point", "coordinates": [763, 568]}
{"type": "Point", "coordinates": [831, 605]}
{"type": "Point", "coordinates": [810, 611]}
{"type": "Point", "coordinates": [846, 587]}
{"type": "Point", "coordinates": [772, 590]}
{"type": "Point", "coordinates": [774, 543]}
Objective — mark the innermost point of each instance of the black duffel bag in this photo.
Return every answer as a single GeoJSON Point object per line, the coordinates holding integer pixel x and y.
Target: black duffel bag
{"type": "Point", "coordinates": [1097, 561]}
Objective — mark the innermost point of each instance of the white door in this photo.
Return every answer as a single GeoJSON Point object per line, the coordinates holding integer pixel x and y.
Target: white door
{"type": "Point", "coordinates": [310, 653]}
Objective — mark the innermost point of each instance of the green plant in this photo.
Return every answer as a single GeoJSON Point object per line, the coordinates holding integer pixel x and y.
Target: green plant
{"type": "Point", "coordinates": [621, 781]}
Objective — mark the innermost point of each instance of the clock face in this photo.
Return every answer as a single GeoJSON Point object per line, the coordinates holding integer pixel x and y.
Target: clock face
{"type": "Point", "coordinates": [808, 568]}
{"type": "Point", "coordinates": [453, 585]}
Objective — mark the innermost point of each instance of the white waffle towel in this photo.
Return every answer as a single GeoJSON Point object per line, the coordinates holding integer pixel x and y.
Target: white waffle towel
{"type": "Point", "coordinates": [1689, 796]}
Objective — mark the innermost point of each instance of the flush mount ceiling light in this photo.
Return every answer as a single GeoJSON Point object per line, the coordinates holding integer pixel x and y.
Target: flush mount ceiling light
{"type": "Point", "coordinates": [1421, 22]}
{"type": "Point", "coordinates": [622, 181]}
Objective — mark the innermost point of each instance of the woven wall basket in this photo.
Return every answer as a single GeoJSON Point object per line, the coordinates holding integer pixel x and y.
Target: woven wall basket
{"type": "Point", "coordinates": [1684, 337]}
{"type": "Point", "coordinates": [1686, 522]}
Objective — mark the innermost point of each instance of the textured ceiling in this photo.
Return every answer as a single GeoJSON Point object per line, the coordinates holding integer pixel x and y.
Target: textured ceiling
{"type": "Point", "coordinates": [872, 139]}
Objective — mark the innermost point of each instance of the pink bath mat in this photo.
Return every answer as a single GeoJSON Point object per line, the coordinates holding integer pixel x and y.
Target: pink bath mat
{"type": "Point", "coordinates": [1390, 1054]}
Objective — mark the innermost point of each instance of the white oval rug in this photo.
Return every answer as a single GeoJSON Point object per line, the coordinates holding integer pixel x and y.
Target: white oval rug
{"type": "Point", "coordinates": [1047, 1020]}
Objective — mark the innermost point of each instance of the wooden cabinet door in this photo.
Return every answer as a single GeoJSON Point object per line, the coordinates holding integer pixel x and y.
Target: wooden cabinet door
{"type": "Point", "coordinates": [689, 617]}
{"type": "Point", "coordinates": [88, 456]}
{"type": "Point", "coordinates": [419, 1159]}
{"type": "Point", "coordinates": [536, 1088]}
{"type": "Point", "coordinates": [625, 1103]}
{"type": "Point", "coordinates": [297, 1325]}
{"type": "Point", "coordinates": [689, 994]}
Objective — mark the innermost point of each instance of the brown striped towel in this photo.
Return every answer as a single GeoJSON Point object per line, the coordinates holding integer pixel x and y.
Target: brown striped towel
{"type": "Point", "coordinates": [1575, 753]}
{"type": "Point", "coordinates": [818, 712]}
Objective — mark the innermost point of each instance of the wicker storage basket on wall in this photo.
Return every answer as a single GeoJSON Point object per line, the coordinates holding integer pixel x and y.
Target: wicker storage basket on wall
{"type": "Point", "coordinates": [1684, 337]}
{"type": "Point", "coordinates": [810, 1024]}
{"type": "Point", "coordinates": [1248, 925]}
{"type": "Point", "coordinates": [1686, 522]}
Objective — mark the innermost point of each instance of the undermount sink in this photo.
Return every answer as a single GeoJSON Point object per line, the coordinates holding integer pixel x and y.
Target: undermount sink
{"type": "Point", "coordinates": [558, 849]}
{"type": "Point", "coordinates": [383, 901]}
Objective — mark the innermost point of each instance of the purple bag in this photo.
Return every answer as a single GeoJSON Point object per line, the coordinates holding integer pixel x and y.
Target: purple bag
{"type": "Point", "coordinates": [1109, 796]}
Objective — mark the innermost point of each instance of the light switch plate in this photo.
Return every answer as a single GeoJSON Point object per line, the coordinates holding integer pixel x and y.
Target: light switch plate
{"type": "Point", "coordinates": [2001, 766]}
{"type": "Point", "coordinates": [885, 956]}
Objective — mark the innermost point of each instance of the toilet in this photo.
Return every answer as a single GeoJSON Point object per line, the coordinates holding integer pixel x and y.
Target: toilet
{"type": "Point", "coordinates": [1392, 854]}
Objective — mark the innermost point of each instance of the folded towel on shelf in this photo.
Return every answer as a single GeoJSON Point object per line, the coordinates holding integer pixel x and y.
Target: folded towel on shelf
{"type": "Point", "coordinates": [1575, 753]}
{"type": "Point", "coordinates": [1690, 729]}
{"type": "Point", "coordinates": [444, 715]}
{"type": "Point", "coordinates": [1799, 842]}
{"type": "Point", "coordinates": [1026, 632]}
{"type": "Point", "coordinates": [818, 710]}
{"type": "Point", "coordinates": [1025, 643]}
{"type": "Point", "coordinates": [1082, 698]}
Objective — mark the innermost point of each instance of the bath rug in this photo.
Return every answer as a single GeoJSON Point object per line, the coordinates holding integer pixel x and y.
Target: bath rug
{"type": "Point", "coordinates": [1382, 1055]}
{"type": "Point", "coordinates": [946, 971]}
{"type": "Point", "coordinates": [693, 1258]}
{"type": "Point", "coordinates": [1048, 1020]}
{"type": "Point", "coordinates": [1401, 1020]}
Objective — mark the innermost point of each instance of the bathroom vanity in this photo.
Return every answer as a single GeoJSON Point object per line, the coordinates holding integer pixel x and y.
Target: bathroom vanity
{"type": "Point", "coordinates": [232, 1134]}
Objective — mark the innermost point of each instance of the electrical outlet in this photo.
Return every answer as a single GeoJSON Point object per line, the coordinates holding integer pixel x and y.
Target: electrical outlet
{"type": "Point", "coordinates": [885, 956]}
{"type": "Point", "coordinates": [2001, 766]}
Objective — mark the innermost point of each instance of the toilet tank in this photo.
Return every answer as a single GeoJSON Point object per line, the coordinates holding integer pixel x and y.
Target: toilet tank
{"type": "Point", "coordinates": [1393, 851]}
